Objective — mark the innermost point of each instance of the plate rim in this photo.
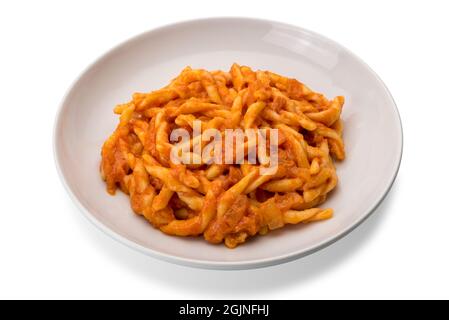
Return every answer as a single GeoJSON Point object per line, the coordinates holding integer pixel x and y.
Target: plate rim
{"type": "Point", "coordinates": [224, 265]}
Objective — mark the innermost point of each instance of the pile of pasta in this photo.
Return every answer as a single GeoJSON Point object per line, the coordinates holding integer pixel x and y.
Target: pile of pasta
{"type": "Point", "coordinates": [226, 202]}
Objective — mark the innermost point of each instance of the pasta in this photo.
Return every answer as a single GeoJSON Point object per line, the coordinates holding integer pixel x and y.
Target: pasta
{"type": "Point", "coordinates": [226, 202]}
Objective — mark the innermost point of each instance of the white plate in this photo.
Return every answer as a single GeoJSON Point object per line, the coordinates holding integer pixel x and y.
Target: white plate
{"type": "Point", "coordinates": [373, 133]}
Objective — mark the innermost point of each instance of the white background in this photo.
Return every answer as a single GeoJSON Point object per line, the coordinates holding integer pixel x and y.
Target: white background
{"type": "Point", "coordinates": [49, 250]}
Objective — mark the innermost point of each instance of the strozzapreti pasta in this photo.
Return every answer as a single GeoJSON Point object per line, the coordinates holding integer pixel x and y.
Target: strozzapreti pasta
{"type": "Point", "coordinates": [226, 202]}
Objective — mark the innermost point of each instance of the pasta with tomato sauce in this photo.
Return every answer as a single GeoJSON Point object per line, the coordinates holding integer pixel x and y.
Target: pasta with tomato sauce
{"type": "Point", "coordinates": [226, 203]}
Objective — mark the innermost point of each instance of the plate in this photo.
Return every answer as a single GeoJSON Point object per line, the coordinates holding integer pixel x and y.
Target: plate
{"type": "Point", "coordinates": [373, 132]}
